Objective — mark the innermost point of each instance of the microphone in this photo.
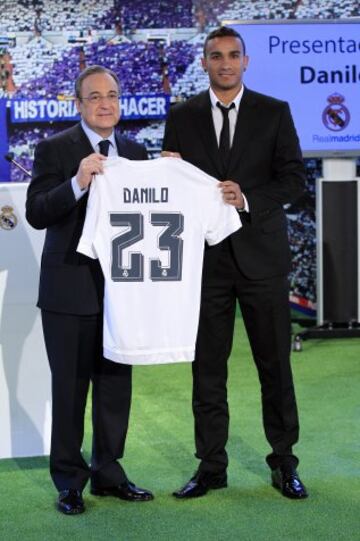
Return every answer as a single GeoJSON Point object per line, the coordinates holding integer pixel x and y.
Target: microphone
{"type": "Point", "coordinates": [10, 158]}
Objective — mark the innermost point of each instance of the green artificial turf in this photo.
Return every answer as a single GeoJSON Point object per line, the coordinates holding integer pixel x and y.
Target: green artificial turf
{"type": "Point", "coordinates": [159, 456]}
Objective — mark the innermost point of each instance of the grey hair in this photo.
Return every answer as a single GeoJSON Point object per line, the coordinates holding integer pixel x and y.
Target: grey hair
{"type": "Point", "coordinates": [92, 70]}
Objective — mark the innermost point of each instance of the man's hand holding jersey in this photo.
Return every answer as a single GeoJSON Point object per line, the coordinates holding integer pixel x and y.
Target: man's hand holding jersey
{"type": "Point", "coordinates": [89, 166]}
{"type": "Point", "coordinates": [231, 190]}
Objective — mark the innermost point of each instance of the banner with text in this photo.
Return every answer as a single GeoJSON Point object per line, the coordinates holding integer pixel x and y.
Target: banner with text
{"type": "Point", "coordinates": [133, 107]}
{"type": "Point", "coordinates": [315, 66]}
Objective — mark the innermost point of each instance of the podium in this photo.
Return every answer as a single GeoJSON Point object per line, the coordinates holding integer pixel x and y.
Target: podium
{"type": "Point", "coordinates": [337, 252]}
{"type": "Point", "coordinates": [25, 391]}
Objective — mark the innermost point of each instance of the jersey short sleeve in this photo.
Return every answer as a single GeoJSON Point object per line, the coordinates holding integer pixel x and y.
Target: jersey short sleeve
{"type": "Point", "coordinates": [86, 243]}
{"type": "Point", "coordinates": [223, 219]}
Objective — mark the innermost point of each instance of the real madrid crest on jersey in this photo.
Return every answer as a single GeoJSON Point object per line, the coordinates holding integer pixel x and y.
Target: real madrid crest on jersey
{"type": "Point", "coordinates": [8, 220]}
{"type": "Point", "coordinates": [336, 115]}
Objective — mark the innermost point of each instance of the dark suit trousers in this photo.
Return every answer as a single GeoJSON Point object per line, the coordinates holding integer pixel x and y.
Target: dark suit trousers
{"type": "Point", "coordinates": [266, 314]}
{"type": "Point", "coordinates": [74, 348]}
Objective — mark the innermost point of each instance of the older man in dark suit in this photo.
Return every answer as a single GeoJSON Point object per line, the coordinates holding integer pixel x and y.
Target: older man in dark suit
{"type": "Point", "coordinates": [233, 133]}
{"type": "Point", "coordinates": [71, 297]}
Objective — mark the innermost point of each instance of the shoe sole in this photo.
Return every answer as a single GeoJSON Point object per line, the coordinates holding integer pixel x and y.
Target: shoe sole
{"type": "Point", "coordinates": [184, 497]}
{"type": "Point", "coordinates": [72, 512]}
{"type": "Point", "coordinates": [105, 493]}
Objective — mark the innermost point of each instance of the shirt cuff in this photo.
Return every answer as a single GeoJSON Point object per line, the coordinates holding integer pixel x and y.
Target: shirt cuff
{"type": "Point", "coordinates": [246, 206]}
{"type": "Point", "coordinates": [78, 192]}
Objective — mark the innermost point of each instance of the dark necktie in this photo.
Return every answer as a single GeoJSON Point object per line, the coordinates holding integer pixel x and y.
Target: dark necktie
{"type": "Point", "coordinates": [224, 143]}
{"type": "Point", "coordinates": [104, 147]}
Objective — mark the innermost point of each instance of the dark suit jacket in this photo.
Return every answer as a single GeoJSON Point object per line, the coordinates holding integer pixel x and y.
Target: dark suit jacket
{"type": "Point", "coordinates": [69, 282]}
{"type": "Point", "coordinates": [265, 160]}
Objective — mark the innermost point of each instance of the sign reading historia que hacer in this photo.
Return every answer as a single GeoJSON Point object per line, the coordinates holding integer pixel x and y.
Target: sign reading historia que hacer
{"type": "Point", "coordinates": [133, 107]}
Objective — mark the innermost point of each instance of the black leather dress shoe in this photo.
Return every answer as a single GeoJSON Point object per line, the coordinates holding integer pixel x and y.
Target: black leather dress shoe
{"type": "Point", "coordinates": [126, 491]}
{"type": "Point", "coordinates": [70, 502]}
{"type": "Point", "coordinates": [200, 484]}
{"type": "Point", "coordinates": [289, 483]}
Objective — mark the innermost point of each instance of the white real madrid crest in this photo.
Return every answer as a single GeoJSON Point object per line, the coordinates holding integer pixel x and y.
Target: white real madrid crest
{"type": "Point", "coordinates": [8, 219]}
{"type": "Point", "coordinates": [336, 115]}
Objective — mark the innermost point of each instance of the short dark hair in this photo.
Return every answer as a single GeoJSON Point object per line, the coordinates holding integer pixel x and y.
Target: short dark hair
{"type": "Point", "coordinates": [224, 32]}
{"type": "Point", "coordinates": [92, 70]}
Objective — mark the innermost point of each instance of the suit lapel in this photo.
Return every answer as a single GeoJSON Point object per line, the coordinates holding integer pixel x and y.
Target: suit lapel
{"type": "Point", "coordinates": [244, 128]}
{"type": "Point", "coordinates": [81, 146]}
{"type": "Point", "coordinates": [207, 131]}
{"type": "Point", "coordinates": [120, 145]}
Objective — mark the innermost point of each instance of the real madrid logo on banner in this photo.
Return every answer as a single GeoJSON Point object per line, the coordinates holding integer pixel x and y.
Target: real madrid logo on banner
{"type": "Point", "coordinates": [336, 116]}
{"type": "Point", "coordinates": [8, 220]}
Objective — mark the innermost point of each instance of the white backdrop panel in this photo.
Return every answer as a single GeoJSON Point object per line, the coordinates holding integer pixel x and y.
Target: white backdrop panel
{"type": "Point", "coordinates": [25, 401]}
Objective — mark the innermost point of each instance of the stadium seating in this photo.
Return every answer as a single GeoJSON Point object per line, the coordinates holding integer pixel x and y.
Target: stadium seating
{"type": "Point", "coordinates": [318, 9]}
{"type": "Point", "coordinates": [129, 15]}
{"type": "Point", "coordinates": [133, 14]}
{"type": "Point", "coordinates": [44, 69]}
{"type": "Point", "coordinates": [52, 15]}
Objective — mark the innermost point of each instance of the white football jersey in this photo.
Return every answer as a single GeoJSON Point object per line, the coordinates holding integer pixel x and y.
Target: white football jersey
{"type": "Point", "coordinates": [147, 222]}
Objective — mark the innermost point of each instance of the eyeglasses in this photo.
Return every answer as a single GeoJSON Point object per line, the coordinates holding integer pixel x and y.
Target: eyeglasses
{"type": "Point", "coordinates": [112, 97]}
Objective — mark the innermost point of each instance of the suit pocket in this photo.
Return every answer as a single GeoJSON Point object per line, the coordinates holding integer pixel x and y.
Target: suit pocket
{"type": "Point", "coordinates": [274, 223]}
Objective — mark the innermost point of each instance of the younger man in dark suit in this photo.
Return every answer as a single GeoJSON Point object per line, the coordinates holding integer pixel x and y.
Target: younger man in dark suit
{"type": "Point", "coordinates": [233, 133]}
{"type": "Point", "coordinates": [71, 296]}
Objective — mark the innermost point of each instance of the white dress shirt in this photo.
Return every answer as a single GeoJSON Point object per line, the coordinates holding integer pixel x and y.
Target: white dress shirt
{"type": "Point", "coordinates": [94, 139]}
{"type": "Point", "coordinates": [218, 116]}
{"type": "Point", "coordinates": [218, 122]}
